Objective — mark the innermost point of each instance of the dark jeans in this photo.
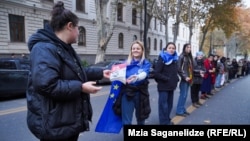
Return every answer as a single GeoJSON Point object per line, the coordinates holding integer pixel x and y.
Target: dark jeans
{"type": "Point", "coordinates": [184, 89]}
{"type": "Point", "coordinates": [165, 104]}
{"type": "Point", "coordinates": [72, 138]}
{"type": "Point", "coordinates": [195, 89]}
{"type": "Point", "coordinates": [128, 107]}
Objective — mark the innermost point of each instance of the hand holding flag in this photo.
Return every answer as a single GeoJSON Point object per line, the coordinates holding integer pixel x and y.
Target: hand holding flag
{"type": "Point", "coordinates": [109, 122]}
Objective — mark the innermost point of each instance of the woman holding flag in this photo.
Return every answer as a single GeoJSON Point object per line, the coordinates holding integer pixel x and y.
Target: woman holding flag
{"type": "Point", "coordinates": [135, 95]}
{"type": "Point", "coordinates": [129, 95]}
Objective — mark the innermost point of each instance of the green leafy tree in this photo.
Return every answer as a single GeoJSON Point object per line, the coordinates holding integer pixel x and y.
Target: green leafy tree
{"type": "Point", "coordinates": [220, 14]}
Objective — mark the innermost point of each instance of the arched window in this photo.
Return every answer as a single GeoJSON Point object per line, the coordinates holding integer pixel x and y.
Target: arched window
{"type": "Point", "coordinates": [155, 25]}
{"type": "Point", "coordinates": [80, 5]}
{"type": "Point", "coordinates": [119, 12]}
{"type": "Point", "coordinates": [120, 42]}
{"type": "Point", "coordinates": [134, 16]}
{"type": "Point", "coordinates": [155, 44]}
{"type": "Point", "coordinates": [161, 44]}
{"type": "Point", "coordinates": [82, 36]}
{"type": "Point", "coordinates": [149, 44]}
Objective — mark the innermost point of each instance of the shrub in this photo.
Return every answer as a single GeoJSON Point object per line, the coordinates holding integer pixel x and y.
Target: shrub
{"type": "Point", "coordinates": [84, 63]}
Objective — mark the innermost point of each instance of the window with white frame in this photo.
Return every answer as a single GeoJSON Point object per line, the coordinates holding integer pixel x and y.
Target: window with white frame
{"type": "Point", "coordinates": [155, 44]}
{"type": "Point", "coordinates": [149, 44]}
{"type": "Point", "coordinates": [119, 12]}
{"type": "Point", "coordinates": [155, 23]}
{"type": "Point", "coordinates": [80, 5]}
{"type": "Point", "coordinates": [120, 40]}
{"type": "Point", "coordinates": [17, 31]}
{"type": "Point", "coordinates": [161, 44]}
{"type": "Point", "coordinates": [134, 16]}
{"type": "Point", "coordinates": [82, 36]}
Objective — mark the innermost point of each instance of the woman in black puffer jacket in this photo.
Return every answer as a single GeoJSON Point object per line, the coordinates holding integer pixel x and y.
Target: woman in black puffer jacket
{"type": "Point", "coordinates": [58, 97]}
{"type": "Point", "coordinates": [166, 76]}
{"type": "Point", "coordinates": [199, 71]}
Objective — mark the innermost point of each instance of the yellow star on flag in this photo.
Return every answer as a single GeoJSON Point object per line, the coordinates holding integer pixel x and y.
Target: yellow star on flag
{"type": "Point", "coordinates": [111, 95]}
{"type": "Point", "coordinates": [116, 87]}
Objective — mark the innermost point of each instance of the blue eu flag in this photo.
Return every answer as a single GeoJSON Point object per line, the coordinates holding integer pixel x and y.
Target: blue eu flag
{"type": "Point", "coordinates": [109, 122]}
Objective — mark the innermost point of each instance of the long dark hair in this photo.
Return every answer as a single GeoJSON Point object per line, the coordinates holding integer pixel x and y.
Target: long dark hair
{"type": "Point", "coordinates": [187, 54]}
{"type": "Point", "coordinates": [61, 16]}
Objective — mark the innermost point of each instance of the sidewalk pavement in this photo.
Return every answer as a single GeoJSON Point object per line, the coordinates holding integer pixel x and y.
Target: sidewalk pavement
{"type": "Point", "coordinates": [230, 104]}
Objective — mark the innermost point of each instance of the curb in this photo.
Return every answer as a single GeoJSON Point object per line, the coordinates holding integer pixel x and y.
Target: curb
{"type": "Point", "coordinates": [177, 119]}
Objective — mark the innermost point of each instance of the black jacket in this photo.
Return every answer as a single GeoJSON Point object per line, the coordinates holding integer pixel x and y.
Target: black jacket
{"type": "Point", "coordinates": [198, 66]}
{"type": "Point", "coordinates": [184, 63]}
{"type": "Point", "coordinates": [129, 91]}
{"type": "Point", "coordinates": [166, 76]}
{"type": "Point", "coordinates": [57, 107]}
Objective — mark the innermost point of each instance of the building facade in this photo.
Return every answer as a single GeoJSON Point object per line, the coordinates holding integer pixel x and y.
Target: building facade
{"type": "Point", "coordinates": [19, 19]}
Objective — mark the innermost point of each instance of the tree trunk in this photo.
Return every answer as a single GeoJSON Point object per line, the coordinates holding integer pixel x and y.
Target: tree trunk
{"type": "Point", "coordinates": [148, 15]}
{"type": "Point", "coordinates": [204, 30]}
{"type": "Point", "coordinates": [190, 19]}
{"type": "Point", "coordinates": [166, 20]}
{"type": "Point", "coordinates": [104, 27]}
{"type": "Point", "coordinates": [177, 22]}
{"type": "Point", "coordinates": [203, 39]}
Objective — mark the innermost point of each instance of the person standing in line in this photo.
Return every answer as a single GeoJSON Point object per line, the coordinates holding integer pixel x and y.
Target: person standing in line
{"type": "Point", "coordinates": [199, 71]}
{"type": "Point", "coordinates": [166, 76]}
{"type": "Point", "coordinates": [134, 94]}
{"type": "Point", "coordinates": [230, 69]}
{"type": "Point", "coordinates": [214, 62]}
{"type": "Point", "coordinates": [207, 83]}
{"type": "Point", "coordinates": [235, 68]}
{"type": "Point", "coordinates": [220, 77]}
{"type": "Point", "coordinates": [224, 75]}
{"type": "Point", "coordinates": [185, 71]}
{"type": "Point", "coordinates": [240, 67]}
{"type": "Point", "coordinates": [58, 93]}
{"type": "Point", "coordinates": [248, 67]}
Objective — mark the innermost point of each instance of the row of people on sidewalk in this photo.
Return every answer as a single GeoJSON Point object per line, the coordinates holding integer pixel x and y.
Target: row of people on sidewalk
{"type": "Point", "coordinates": [200, 74]}
{"type": "Point", "coordinates": [227, 69]}
{"type": "Point", "coordinates": [236, 69]}
{"type": "Point", "coordinates": [171, 70]}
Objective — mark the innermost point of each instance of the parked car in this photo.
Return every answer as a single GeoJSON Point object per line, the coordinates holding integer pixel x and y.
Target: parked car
{"type": "Point", "coordinates": [13, 76]}
{"type": "Point", "coordinates": [105, 65]}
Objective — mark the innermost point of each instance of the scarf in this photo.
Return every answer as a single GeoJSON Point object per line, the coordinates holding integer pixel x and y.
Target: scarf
{"type": "Point", "coordinates": [168, 58]}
